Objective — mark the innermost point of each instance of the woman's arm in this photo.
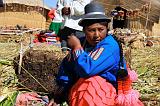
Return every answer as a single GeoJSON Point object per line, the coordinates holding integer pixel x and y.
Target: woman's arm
{"type": "Point", "coordinates": [104, 58]}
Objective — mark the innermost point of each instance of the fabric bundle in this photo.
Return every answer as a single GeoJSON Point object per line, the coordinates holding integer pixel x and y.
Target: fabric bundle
{"type": "Point", "coordinates": [31, 99]}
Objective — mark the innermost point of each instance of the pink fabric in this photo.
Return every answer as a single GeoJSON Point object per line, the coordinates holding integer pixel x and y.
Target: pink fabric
{"type": "Point", "coordinates": [126, 95]}
{"type": "Point", "coordinates": [94, 91]}
{"type": "Point", "coordinates": [24, 98]}
{"type": "Point", "coordinates": [128, 98]}
{"type": "Point", "coordinates": [133, 75]}
{"type": "Point", "coordinates": [120, 98]}
{"type": "Point", "coordinates": [51, 13]}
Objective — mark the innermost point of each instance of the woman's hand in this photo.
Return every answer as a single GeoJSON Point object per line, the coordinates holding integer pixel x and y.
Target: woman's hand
{"type": "Point", "coordinates": [73, 42]}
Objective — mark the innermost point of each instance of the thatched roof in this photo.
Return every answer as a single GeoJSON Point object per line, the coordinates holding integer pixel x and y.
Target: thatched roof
{"type": "Point", "coordinates": [154, 13]}
{"type": "Point", "coordinates": [28, 2]}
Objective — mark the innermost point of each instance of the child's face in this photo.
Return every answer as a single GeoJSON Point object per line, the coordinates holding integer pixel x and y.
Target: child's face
{"type": "Point", "coordinates": [95, 33]}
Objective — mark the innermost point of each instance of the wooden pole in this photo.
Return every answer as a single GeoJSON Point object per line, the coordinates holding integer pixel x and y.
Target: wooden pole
{"type": "Point", "coordinates": [111, 24]}
{"type": "Point", "coordinates": [42, 24]}
{"type": "Point", "coordinates": [5, 13]}
{"type": "Point", "coordinates": [31, 40]}
{"type": "Point", "coordinates": [20, 58]}
{"type": "Point", "coordinates": [147, 19]}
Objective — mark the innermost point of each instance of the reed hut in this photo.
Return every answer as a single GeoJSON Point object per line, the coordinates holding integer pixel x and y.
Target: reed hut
{"type": "Point", "coordinates": [28, 13]}
{"type": "Point", "coordinates": [137, 15]}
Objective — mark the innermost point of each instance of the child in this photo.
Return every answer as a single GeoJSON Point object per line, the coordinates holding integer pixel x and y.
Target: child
{"type": "Point", "coordinates": [56, 21]}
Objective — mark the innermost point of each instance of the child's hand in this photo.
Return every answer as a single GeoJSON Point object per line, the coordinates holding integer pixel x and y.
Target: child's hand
{"type": "Point", "coordinates": [73, 42]}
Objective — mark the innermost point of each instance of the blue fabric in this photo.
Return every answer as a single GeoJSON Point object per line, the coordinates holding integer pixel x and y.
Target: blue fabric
{"type": "Point", "coordinates": [106, 65]}
{"type": "Point", "coordinates": [66, 75]}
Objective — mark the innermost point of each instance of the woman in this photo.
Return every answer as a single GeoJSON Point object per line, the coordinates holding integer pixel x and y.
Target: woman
{"type": "Point", "coordinates": [89, 73]}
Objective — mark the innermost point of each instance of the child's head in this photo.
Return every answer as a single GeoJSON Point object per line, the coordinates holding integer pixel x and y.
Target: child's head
{"type": "Point", "coordinates": [94, 23]}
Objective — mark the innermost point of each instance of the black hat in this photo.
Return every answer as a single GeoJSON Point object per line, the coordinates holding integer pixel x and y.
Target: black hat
{"type": "Point", "coordinates": [94, 11]}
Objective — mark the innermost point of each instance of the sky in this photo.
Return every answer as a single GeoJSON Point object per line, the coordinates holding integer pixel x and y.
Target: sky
{"type": "Point", "coordinates": [50, 3]}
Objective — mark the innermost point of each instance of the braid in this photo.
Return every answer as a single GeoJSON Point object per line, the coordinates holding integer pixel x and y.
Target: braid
{"type": "Point", "coordinates": [121, 63]}
{"type": "Point", "coordinates": [122, 72]}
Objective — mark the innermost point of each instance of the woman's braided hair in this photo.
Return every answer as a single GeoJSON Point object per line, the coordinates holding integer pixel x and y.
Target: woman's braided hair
{"type": "Point", "coordinates": [122, 72]}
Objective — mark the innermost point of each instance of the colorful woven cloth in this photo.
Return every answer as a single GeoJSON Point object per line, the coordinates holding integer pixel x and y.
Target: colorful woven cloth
{"type": "Point", "coordinates": [94, 91]}
{"type": "Point", "coordinates": [31, 99]}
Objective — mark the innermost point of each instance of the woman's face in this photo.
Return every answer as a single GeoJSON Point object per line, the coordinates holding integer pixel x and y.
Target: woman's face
{"type": "Point", "coordinates": [95, 33]}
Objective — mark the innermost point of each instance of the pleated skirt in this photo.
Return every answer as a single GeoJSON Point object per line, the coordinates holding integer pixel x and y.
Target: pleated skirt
{"type": "Point", "coordinates": [93, 91]}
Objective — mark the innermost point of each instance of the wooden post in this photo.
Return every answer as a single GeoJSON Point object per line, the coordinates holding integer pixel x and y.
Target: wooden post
{"type": "Point", "coordinates": [5, 13]}
{"type": "Point", "coordinates": [31, 40]}
{"type": "Point", "coordinates": [111, 24]}
{"type": "Point", "coordinates": [20, 58]}
{"type": "Point", "coordinates": [145, 28]}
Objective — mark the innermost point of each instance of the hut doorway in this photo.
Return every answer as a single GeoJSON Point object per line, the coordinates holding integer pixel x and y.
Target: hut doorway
{"type": "Point", "coordinates": [119, 19]}
{"type": "Point", "coordinates": [1, 3]}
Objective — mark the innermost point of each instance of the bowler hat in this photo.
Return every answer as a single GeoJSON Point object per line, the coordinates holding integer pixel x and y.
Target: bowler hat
{"type": "Point", "coordinates": [94, 12]}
